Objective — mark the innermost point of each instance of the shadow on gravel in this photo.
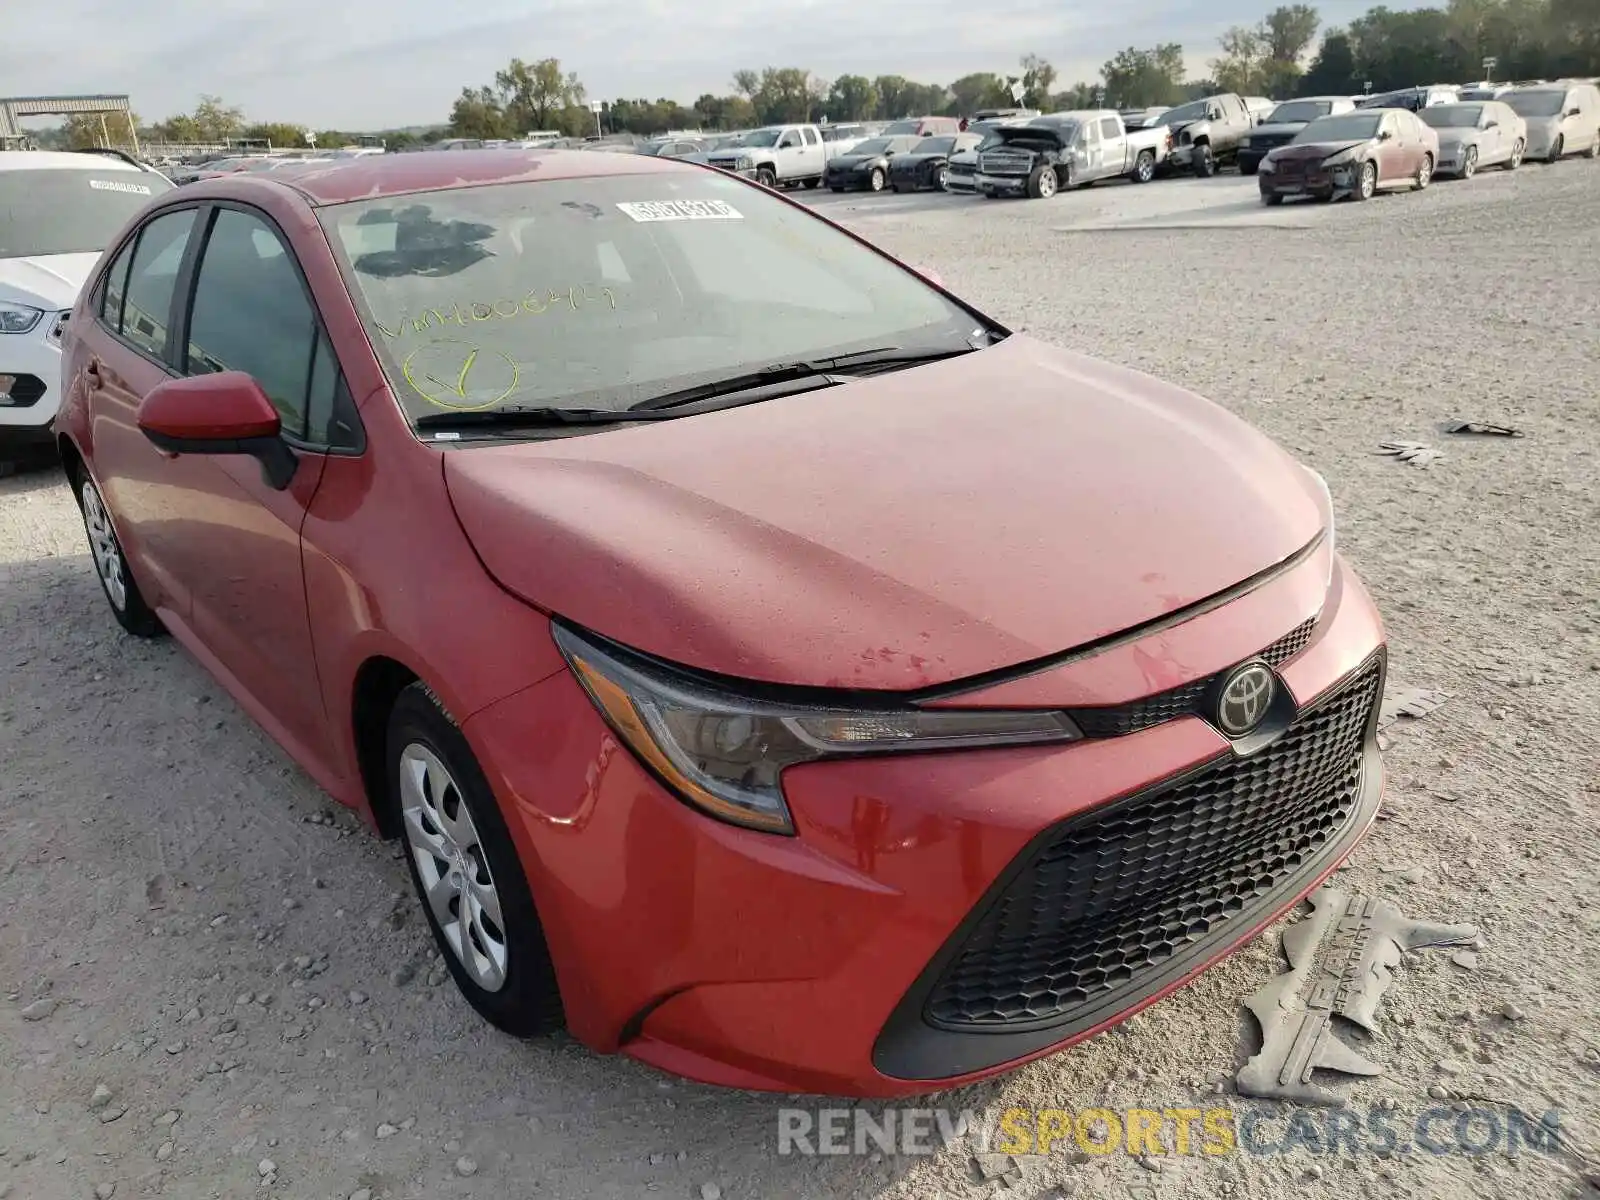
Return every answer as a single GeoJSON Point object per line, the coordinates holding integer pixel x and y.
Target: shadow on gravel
{"type": "Point", "coordinates": [35, 475]}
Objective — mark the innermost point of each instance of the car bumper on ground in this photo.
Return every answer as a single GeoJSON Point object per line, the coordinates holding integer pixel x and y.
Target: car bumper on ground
{"type": "Point", "coordinates": [1180, 156]}
{"type": "Point", "coordinates": [960, 181]}
{"type": "Point", "coordinates": [850, 181]}
{"type": "Point", "coordinates": [1315, 183]}
{"type": "Point", "coordinates": [30, 385]}
{"type": "Point", "coordinates": [1000, 185]}
{"type": "Point", "coordinates": [942, 917]}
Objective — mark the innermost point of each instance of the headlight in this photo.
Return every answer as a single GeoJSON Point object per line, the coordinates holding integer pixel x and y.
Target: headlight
{"type": "Point", "coordinates": [725, 752]}
{"type": "Point", "coordinates": [1342, 159]}
{"type": "Point", "coordinates": [18, 318]}
{"type": "Point", "coordinates": [744, 163]}
{"type": "Point", "coordinates": [1267, 166]}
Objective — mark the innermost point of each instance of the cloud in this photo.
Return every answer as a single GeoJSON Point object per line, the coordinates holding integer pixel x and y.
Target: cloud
{"type": "Point", "coordinates": [368, 64]}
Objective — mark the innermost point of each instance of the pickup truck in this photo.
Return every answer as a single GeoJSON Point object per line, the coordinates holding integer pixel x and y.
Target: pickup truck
{"type": "Point", "coordinates": [1067, 150]}
{"type": "Point", "coordinates": [1207, 133]}
{"type": "Point", "coordinates": [782, 155]}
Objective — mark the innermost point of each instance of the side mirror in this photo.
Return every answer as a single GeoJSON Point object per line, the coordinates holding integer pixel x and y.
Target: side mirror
{"type": "Point", "coordinates": [1492, 125]}
{"type": "Point", "coordinates": [1574, 112]}
{"type": "Point", "coordinates": [222, 413]}
{"type": "Point", "coordinates": [1385, 135]}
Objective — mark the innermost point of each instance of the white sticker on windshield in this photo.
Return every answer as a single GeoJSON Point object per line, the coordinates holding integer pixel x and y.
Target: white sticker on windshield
{"type": "Point", "coordinates": [682, 210]}
{"type": "Point", "coordinates": [106, 185]}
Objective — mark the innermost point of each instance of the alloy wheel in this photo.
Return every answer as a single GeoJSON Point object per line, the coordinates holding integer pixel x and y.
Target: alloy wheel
{"type": "Point", "coordinates": [103, 546]}
{"type": "Point", "coordinates": [1469, 164]}
{"type": "Point", "coordinates": [1369, 181]}
{"type": "Point", "coordinates": [452, 866]}
{"type": "Point", "coordinates": [1517, 152]}
{"type": "Point", "coordinates": [1424, 172]}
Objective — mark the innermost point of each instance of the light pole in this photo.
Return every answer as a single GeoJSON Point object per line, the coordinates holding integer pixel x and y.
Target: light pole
{"type": "Point", "coordinates": [594, 107]}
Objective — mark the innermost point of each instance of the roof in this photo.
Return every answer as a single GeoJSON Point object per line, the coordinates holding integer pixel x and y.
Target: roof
{"type": "Point", "coordinates": [377, 175]}
{"type": "Point", "coordinates": [60, 160]}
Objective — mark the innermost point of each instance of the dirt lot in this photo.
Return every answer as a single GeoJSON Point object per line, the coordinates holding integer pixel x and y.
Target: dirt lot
{"type": "Point", "coordinates": [246, 973]}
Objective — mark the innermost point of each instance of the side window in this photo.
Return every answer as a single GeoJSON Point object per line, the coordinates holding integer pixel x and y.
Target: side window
{"type": "Point", "coordinates": [152, 274]}
{"type": "Point", "coordinates": [251, 313]}
{"type": "Point", "coordinates": [789, 140]}
{"type": "Point", "coordinates": [1109, 128]}
{"type": "Point", "coordinates": [112, 288]}
{"type": "Point", "coordinates": [810, 136]}
{"type": "Point", "coordinates": [1091, 133]}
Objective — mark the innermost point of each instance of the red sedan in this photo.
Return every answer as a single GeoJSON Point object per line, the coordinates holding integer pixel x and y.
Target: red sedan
{"type": "Point", "coordinates": [778, 671]}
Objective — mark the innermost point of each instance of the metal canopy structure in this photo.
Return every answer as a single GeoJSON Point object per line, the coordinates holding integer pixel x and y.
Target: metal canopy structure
{"type": "Point", "coordinates": [13, 109]}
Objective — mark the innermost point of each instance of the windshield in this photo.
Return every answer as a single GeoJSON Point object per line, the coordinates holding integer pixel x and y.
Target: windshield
{"type": "Point", "coordinates": [654, 148]}
{"type": "Point", "coordinates": [1054, 134]}
{"type": "Point", "coordinates": [761, 137]}
{"type": "Point", "coordinates": [870, 147]}
{"type": "Point", "coordinates": [70, 211]}
{"type": "Point", "coordinates": [936, 145]}
{"type": "Point", "coordinates": [1193, 111]}
{"type": "Point", "coordinates": [1405, 99]}
{"type": "Point", "coordinates": [1299, 110]}
{"type": "Point", "coordinates": [1452, 116]}
{"type": "Point", "coordinates": [600, 292]}
{"type": "Point", "coordinates": [901, 128]}
{"type": "Point", "coordinates": [1535, 104]}
{"type": "Point", "coordinates": [1347, 127]}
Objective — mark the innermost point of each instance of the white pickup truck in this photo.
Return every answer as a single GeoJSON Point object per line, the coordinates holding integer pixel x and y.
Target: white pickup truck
{"type": "Point", "coordinates": [783, 154]}
{"type": "Point", "coordinates": [1068, 150]}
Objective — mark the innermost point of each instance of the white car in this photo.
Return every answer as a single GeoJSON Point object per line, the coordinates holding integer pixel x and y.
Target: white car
{"type": "Point", "coordinates": [58, 211]}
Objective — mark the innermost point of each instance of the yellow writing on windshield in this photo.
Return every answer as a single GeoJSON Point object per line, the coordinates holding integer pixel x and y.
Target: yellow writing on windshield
{"type": "Point", "coordinates": [535, 303]}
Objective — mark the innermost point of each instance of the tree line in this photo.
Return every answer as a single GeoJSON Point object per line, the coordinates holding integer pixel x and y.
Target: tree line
{"type": "Point", "coordinates": [1384, 49]}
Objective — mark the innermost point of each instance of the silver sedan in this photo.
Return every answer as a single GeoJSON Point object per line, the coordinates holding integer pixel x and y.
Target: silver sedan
{"type": "Point", "coordinates": [1482, 133]}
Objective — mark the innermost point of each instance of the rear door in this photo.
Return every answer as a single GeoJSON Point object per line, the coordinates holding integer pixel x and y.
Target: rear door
{"type": "Point", "coordinates": [812, 154]}
{"type": "Point", "coordinates": [123, 354]}
{"type": "Point", "coordinates": [1113, 147]}
{"type": "Point", "coordinates": [240, 552]}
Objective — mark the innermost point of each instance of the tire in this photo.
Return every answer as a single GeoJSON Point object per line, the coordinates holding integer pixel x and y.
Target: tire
{"type": "Point", "coordinates": [836, 189]}
{"type": "Point", "coordinates": [1515, 161]}
{"type": "Point", "coordinates": [1271, 199]}
{"type": "Point", "coordinates": [811, 184]}
{"type": "Point", "coordinates": [1144, 167]}
{"type": "Point", "coordinates": [453, 830]}
{"type": "Point", "coordinates": [1594, 147]}
{"type": "Point", "coordinates": [110, 564]}
{"type": "Point", "coordinates": [876, 180]}
{"type": "Point", "coordinates": [1205, 163]}
{"type": "Point", "coordinates": [1469, 164]}
{"type": "Point", "coordinates": [1042, 184]}
{"type": "Point", "coordinates": [1556, 148]}
{"type": "Point", "coordinates": [939, 178]}
{"type": "Point", "coordinates": [1424, 174]}
{"type": "Point", "coordinates": [1367, 186]}
{"type": "Point", "coordinates": [1247, 168]}
{"type": "Point", "coordinates": [767, 177]}
{"type": "Point", "coordinates": [896, 188]}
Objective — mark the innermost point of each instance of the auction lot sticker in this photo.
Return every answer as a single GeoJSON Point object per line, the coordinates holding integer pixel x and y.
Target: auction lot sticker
{"type": "Point", "coordinates": [107, 185]}
{"type": "Point", "coordinates": [681, 210]}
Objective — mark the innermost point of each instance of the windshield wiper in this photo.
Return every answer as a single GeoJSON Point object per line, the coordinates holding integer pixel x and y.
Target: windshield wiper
{"type": "Point", "coordinates": [781, 372]}
{"type": "Point", "coordinates": [524, 415]}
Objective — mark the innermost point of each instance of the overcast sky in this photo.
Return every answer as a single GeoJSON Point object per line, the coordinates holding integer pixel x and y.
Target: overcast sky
{"type": "Point", "coordinates": [368, 64]}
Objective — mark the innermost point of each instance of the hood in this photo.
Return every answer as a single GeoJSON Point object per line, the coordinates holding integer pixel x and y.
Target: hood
{"type": "Point", "coordinates": [48, 281]}
{"type": "Point", "coordinates": [1544, 125]}
{"type": "Point", "coordinates": [854, 160]}
{"type": "Point", "coordinates": [918, 156]}
{"type": "Point", "coordinates": [1283, 127]}
{"type": "Point", "coordinates": [1317, 150]}
{"type": "Point", "coordinates": [1453, 134]}
{"type": "Point", "coordinates": [907, 530]}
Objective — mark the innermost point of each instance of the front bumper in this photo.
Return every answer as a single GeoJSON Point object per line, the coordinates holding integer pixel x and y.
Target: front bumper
{"type": "Point", "coordinates": [1180, 156]}
{"type": "Point", "coordinates": [33, 361]}
{"type": "Point", "coordinates": [960, 181]}
{"type": "Point", "coordinates": [851, 959]}
{"type": "Point", "coordinates": [1000, 185]}
{"type": "Point", "coordinates": [850, 181]}
{"type": "Point", "coordinates": [1314, 182]}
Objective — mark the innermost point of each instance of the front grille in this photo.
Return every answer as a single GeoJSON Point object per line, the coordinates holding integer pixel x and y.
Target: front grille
{"type": "Point", "coordinates": [1292, 166]}
{"type": "Point", "coordinates": [1267, 141]}
{"type": "Point", "coordinates": [1114, 894]}
{"type": "Point", "coordinates": [1183, 700]}
{"type": "Point", "coordinates": [1004, 162]}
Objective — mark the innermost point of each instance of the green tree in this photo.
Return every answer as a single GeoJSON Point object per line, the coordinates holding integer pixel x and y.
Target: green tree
{"type": "Point", "coordinates": [892, 96]}
{"type": "Point", "coordinates": [724, 112]}
{"type": "Point", "coordinates": [531, 95]}
{"type": "Point", "coordinates": [98, 131]}
{"type": "Point", "coordinates": [1038, 77]}
{"type": "Point", "coordinates": [1333, 70]}
{"type": "Point", "coordinates": [216, 121]}
{"type": "Point", "coordinates": [279, 134]}
{"type": "Point", "coordinates": [1137, 78]}
{"type": "Point", "coordinates": [478, 113]}
{"type": "Point", "coordinates": [980, 90]}
{"type": "Point", "coordinates": [852, 98]}
{"type": "Point", "coordinates": [1238, 69]}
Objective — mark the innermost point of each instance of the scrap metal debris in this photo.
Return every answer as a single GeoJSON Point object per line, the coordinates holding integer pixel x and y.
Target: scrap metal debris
{"type": "Point", "coordinates": [1340, 963]}
{"type": "Point", "coordinates": [1415, 703]}
{"type": "Point", "coordinates": [1415, 453]}
{"type": "Point", "coordinates": [1481, 428]}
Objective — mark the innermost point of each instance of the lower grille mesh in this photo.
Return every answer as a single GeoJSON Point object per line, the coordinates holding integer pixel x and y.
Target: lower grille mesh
{"type": "Point", "coordinates": [1111, 897]}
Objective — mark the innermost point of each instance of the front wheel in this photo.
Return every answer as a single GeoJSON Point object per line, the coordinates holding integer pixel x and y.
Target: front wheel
{"type": "Point", "coordinates": [1469, 163]}
{"type": "Point", "coordinates": [1594, 146]}
{"type": "Point", "coordinates": [1517, 150]}
{"type": "Point", "coordinates": [1367, 185]}
{"type": "Point", "coordinates": [1144, 167]}
{"type": "Point", "coordinates": [876, 180]}
{"type": "Point", "coordinates": [466, 871]}
{"type": "Point", "coordinates": [812, 183]}
{"type": "Point", "coordinates": [1205, 163]}
{"type": "Point", "coordinates": [767, 177]}
{"type": "Point", "coordinates": [1557, 148]}
{"type": "Point", "coordinates": [940, 177]}
{"type": "Point", "coordinates": [111, 565]}
{"type": "Point", "coordinates": [1424, 175]}
{"type": "Point", "coordinates": [1271, 199]}
{"type": "Point", "coordinates": [1042, 183]}
{"type": "Point", "coordinates": [1247, 168]}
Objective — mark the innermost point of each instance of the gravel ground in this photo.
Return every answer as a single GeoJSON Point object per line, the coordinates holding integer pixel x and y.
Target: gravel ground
{"type": "Point", "coordinates": [240, 997]}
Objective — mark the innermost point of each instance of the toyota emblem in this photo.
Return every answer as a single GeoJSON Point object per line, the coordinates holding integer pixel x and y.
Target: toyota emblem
{"type": "Point", "coordinates": [1245, 697]}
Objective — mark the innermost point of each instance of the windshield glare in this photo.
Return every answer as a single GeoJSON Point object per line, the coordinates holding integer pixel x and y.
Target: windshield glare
{"type": "Point", "coordinates": [598, 293]}
{"type": "Point", "coordinates": [900, 128]}
{"type": "Point", "coordinates": [761, 137]}
{"type": "Point", "coordinates": [1347, 127]}
{"type": "Point", "coordinates": [1300, 110]}
{"type": "Point", "coordinates": [870, 146]}
{"type": "Point", "coordinates": [1536, 104]}
{"type": "Point", "coordinates": [1452, 116]}
{"type": "Point", "coordinates": [936, 145]}
{"type": "Point", "coordinates": [70, 211]}
{"type": "Point", "coordinates": [1193, 111]}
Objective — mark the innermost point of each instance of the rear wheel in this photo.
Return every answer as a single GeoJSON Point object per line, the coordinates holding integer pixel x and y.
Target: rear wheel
{"type": "Point", "coordinates": [110, 564]}
{"type": "Point", "coordinates": [466, 871]}
{"type": "Point", "coordinates": [1594, 146]}
{"type": "Point", "coordinates": [1144, 167]}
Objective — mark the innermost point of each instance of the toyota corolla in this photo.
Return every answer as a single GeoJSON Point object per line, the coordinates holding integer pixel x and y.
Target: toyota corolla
{"type": "Point", "coordinates": [776, 669]}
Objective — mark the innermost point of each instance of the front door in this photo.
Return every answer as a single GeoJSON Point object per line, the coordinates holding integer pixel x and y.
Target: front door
{"type": "Point", "coordinates": [1394, 156]}
{"type": "Point", "coordinates": [240, 548]}
{"type": "Point", "coordinates": [1093, 151]}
